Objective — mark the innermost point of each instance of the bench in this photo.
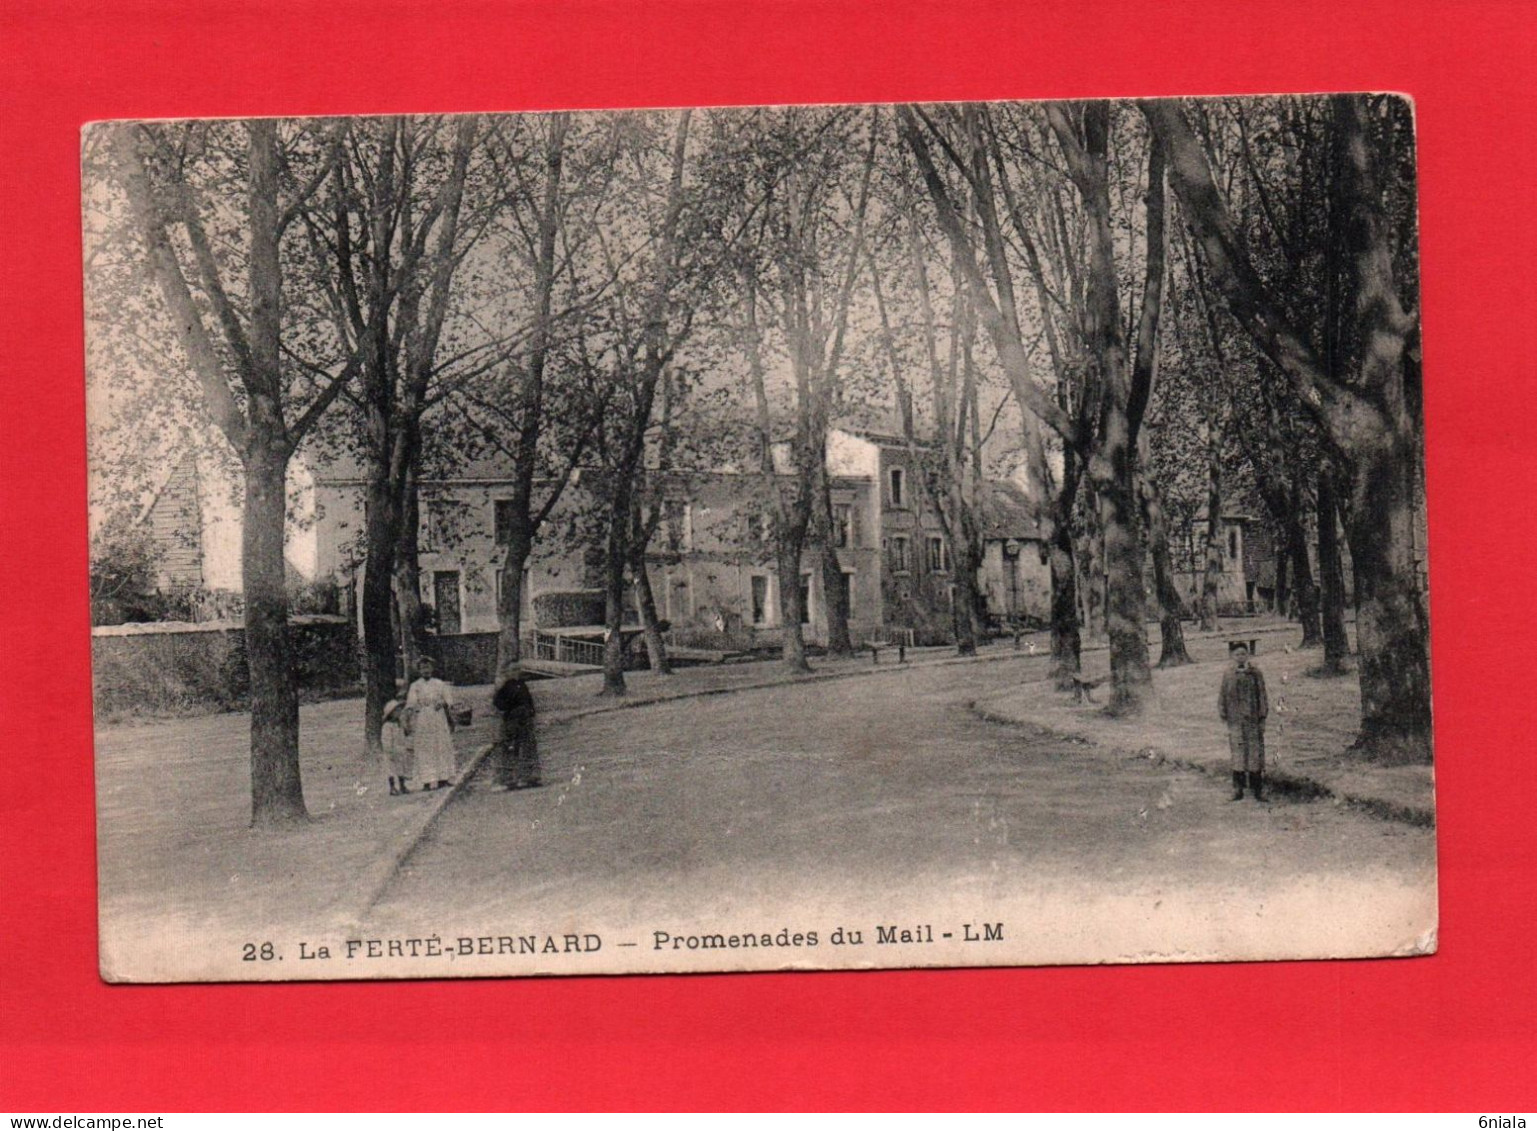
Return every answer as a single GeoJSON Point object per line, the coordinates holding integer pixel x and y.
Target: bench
{"type": "Point", "coordinates": [875, 647]}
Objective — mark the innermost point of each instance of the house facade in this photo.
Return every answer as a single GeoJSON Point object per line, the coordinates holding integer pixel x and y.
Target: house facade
{"type": "Point", "coordinates": [192, 515]}
{"type": "Point", "coordinates": [1247, 579]}
{"type": "Point", "coordinates": [917, 560]}
{"type": "Point", "coordinates": [710, 564]}
{"type": "Point", "coordinates": [1016, 571]}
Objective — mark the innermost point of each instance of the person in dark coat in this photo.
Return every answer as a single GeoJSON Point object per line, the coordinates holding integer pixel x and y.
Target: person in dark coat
{"type": "Point", "coordinates": [517, 755]}
{"type": "Point", "coordinates": [1244, 705]}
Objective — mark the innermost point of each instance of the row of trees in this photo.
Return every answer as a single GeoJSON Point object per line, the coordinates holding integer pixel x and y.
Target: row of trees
{"type": "Point", "coordinates": [1119, 297]}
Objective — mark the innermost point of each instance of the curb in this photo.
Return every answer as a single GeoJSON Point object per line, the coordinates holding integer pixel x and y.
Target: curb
{"type": "Point", "coordinates": [877, 669]}
{"type": "Point", "coordinates": [791, 681]}
{"type": "Point", "coordinates": [1304, 788]}
{"type": "Point", "coordinates": [381, 873]}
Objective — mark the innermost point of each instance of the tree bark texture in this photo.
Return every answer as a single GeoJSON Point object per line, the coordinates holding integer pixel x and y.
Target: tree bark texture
{"type": "Point", "coordinates": [621, 519]}
{"type": "Point", "coordinates": [1171, 607]}
{"type": "Point", "coordinates": [381, 538]}
{"type": "Point", "coordinates": [1112, 463]}
{"type": "Point", "coordinates": [1283, 582]}
{"type": "Point", "coordinates": [277, 794]}
{"type": "Point", "coordinates": [1302, 575]}
{"type": "Point", "coordinates": [650, 623]}
{"type": "Point", "coordinates": [1066, 640]}
{"type": "Point", "coordinates": [1331, 573]}
{"type": "Point", "coordinates": [408, 579]}
{"type": "Point", "coordinates": [1211, 574]}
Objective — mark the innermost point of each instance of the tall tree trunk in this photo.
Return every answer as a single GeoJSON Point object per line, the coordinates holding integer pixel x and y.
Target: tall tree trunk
{"type": "Point", "coordinates": [1066, 641]}
{"type": "Point", "coordinates": [408, 578]}
{"type": "Point", "coordinates": [834, 596]}
{"type": "Point", "coordinates": [1283, 591]}
{"type": "Point", "coordinates": [1392, 630]}
{"type": "Point", "coordinates": [1211, 575]}
{"type": "Point", "coordinates": [256, 429]}
{"type": "Point", "coordinates": [840, 643]}
{"type": "Point", "coordinates": [524, 519]}
{"type": "Point", "coordinates": [787, 559]}
{"type": "Point", "coordinates": [613, 623]}
{"type": "Point", "coordinates": [1171, 607]}
{"type": "Point", "coordinates": [277, 794]}
{"type": "Point", "coordinates": [650, 623]}
{"type": "Point", "coordinates": [1112, 465]}
{"type": "Point", "coordinates": [1331, 572]}
{"type": "Point", "coordinates": [1302, 574]}
{"type": "Point", "coordinates": [620, 518]}
{"type": "Point", "coordinates": [1125, 595]}
{"type": "Point", "coordinates": [641, 529]}
{"type": "Point", "coordinates": [964, 607]}
{"type": "Point", "coordinates": [792, 516]}
{"type": "Point", "coordinates": [381, 537]}
{"type": "Point", "coordinates": [509, 607]}
{"type": "Point", "coordinates": [1090, 555]}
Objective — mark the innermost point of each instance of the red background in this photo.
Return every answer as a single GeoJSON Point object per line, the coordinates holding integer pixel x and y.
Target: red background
{"type": "Point", "coordinates": [1448, 1032]}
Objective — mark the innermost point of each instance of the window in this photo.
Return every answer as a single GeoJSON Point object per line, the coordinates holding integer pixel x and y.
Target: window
{"type": "Point", "coordinates": [900, 562]}
{"type": "Point", "coordinates": [1232, 545]}
{"type": "Point", "coordinates": [939, 556]}
{"type": "Point", "coordinates": [675, 516]}
{"type": "Point", "coordinates": [805, 598]}
{"type": "Point", "coordinates": [502, 521]}
{"type": "Point", "coordinates": [759, 599]}
{"type": "Point", "coordinates": [848, 593]}
{"type": "Point", "coordinates": [897, 479]}
{"type": "Point", "coordinates": [843, 525]}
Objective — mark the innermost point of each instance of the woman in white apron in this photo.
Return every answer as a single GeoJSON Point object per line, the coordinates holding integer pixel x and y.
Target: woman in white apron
{"type": "Point", "coordinates": [429, 707]}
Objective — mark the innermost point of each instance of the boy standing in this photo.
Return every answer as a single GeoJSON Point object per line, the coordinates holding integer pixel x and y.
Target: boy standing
{"type": "Point", "coordinates": [1244, 705]}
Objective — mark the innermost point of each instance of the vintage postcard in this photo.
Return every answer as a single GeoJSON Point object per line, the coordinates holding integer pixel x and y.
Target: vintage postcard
{"type": "Point", "coordinates": [827, 537]}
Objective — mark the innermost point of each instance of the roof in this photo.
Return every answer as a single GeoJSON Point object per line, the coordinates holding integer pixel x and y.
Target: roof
{"type": "Point", "coordinates": [1008, 512]}
{"type": "Point", "coordinates": [884, 439]}
{"type": "Point", "coordinates": [334, 468]}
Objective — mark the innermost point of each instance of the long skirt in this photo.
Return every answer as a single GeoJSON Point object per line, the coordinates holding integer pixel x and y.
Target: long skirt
{"type": "Point", "coordinates": [433, 743]}
{"type": "Point", "coordinates": [1246, 744]}
{"type": "Point", "coordinates": [517, 755]}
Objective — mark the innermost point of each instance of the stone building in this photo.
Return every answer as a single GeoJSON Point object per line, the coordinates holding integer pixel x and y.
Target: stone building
{"type": "Point", "coordinates": [710, 563]}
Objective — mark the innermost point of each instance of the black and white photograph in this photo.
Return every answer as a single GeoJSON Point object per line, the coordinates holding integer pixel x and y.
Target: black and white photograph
{"type": "Point", "coordinates": [758, 538]}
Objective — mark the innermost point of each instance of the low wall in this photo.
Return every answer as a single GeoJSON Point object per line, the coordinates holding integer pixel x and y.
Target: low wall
{"type": "Point", "coordinates": [172, 668]}
{"type": "Point", "coordinates": [467, 658]}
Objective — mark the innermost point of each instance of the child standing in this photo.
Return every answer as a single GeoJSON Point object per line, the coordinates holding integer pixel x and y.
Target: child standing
{"type": "Point", "coordinates": [397, 747]}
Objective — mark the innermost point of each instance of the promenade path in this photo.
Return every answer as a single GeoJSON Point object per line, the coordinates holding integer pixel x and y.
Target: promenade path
{"type": "Point", "coordinates": [855, 790]}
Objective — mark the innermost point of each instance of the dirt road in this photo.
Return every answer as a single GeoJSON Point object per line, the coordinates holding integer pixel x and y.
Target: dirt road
{"type": "Point", "coordinates": [881, 800]}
